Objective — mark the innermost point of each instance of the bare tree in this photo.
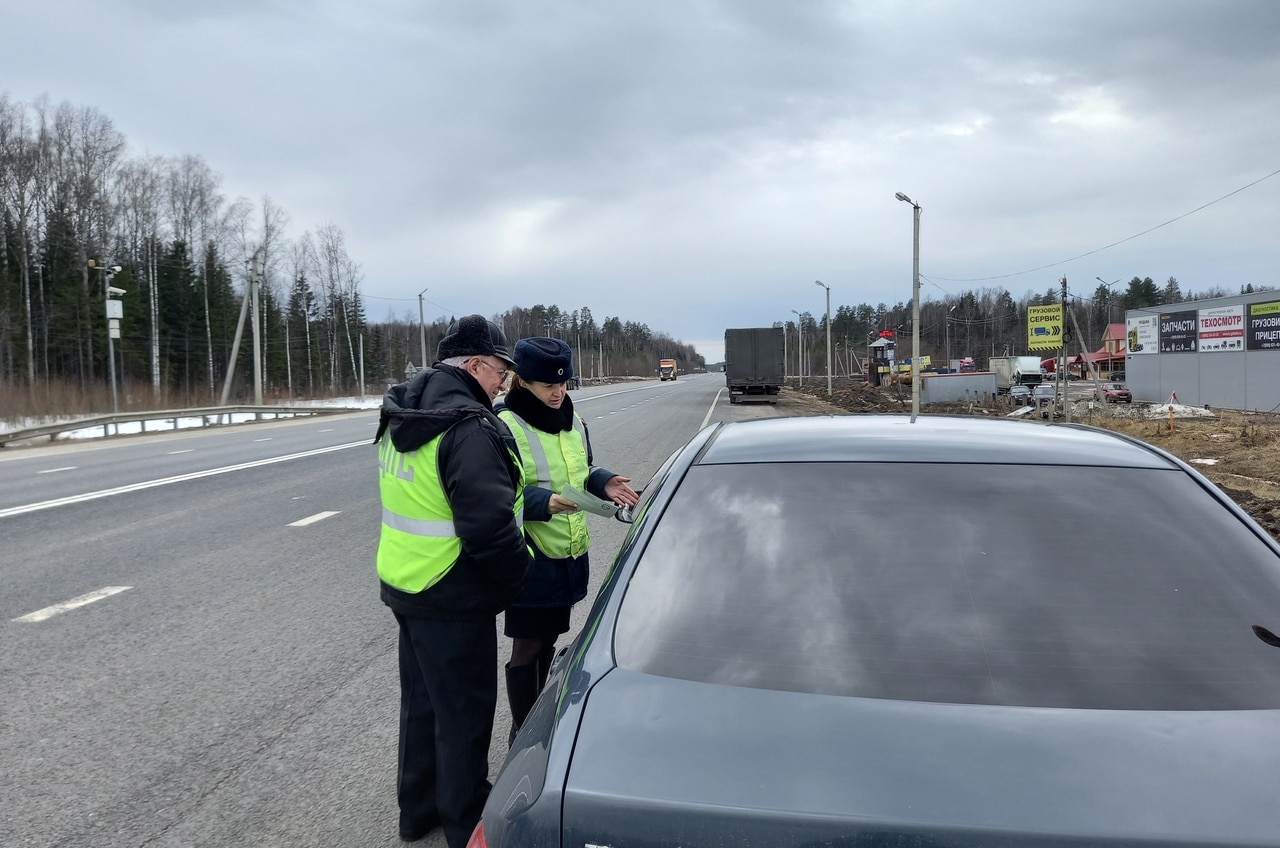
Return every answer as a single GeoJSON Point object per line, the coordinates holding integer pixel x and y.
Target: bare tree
{"type": "Point", "coordinates": [85, 152]}
{"type": "Point", "coordinates": [19, 195]}
{"type": "Point", "coordinates": [339, 278]}
{"type": "Point", "coordinates": [302, 267]}
{"type": "Point", "coordinates": [141, 189]}
{"type": "Point", "coordinates": [194, 208]}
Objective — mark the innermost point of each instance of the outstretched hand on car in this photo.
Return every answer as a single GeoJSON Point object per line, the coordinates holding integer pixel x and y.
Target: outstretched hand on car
{"type": "Point", "coordinates": [619, 492]}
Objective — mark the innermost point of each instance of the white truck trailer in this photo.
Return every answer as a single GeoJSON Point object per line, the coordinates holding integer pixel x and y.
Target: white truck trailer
{"type": "Point", "coordinates": [1015, 371]}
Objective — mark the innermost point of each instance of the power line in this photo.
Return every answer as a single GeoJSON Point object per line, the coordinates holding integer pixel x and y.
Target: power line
{"type": "Point", "coordinates": [1115, 243]}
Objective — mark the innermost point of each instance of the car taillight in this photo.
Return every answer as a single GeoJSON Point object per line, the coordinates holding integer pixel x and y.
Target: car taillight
{"type": "Point", "coordinates": [477, 839]}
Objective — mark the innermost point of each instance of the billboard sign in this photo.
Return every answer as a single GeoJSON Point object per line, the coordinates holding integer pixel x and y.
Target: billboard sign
{"type": "Point", "coordinates": [1178, 331]}
{"type": "Point", "coordinates": [1142, 334]}
{"type": "Point", "coordinates": [1222, 329]}
{"type": "Point", "coordinates": [1263, 327]}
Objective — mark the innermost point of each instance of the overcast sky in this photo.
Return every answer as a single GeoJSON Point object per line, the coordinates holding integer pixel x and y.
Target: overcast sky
{"type": "Point", "coordinates": [698, 165]}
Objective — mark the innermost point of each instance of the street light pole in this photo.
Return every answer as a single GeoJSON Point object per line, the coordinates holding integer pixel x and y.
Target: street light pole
{"type": "Point", "coordinates": [784, 350]}
{"type": "Point", "coordinates": [828, 288]}
{"type": "Point", "coordinates": [422, 329]}
{"type": "Point", "coordinates": [800, 347]}
{"type": "Point", "coordinates": [915, 307]}
{"type": "Point", "coordinates": [1110, 296]}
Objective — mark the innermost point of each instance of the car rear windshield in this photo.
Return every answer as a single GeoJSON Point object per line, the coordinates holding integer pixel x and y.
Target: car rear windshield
{"type": "Point", "coordinates": [945, 583]}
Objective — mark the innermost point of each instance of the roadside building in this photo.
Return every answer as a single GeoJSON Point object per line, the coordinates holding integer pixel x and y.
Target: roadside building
{"type": "Point", "coordinates": [1222, 352]}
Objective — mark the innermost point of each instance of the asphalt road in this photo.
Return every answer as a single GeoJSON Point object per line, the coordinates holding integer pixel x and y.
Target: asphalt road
{"type": "Point", "coordinates": [228, 676]}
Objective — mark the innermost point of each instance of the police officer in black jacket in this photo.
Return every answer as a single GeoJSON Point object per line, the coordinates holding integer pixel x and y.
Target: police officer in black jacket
{"type": "Point", "coordinates": [451, 556]}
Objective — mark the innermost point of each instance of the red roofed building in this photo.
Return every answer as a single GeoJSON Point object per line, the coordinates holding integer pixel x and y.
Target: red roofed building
{"type": "Point", "coordinates": [1109, 357]}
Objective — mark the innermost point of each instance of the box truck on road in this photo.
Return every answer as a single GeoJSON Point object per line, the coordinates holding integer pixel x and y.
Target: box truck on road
{"type": "Point", "coordinates": [753, 363]}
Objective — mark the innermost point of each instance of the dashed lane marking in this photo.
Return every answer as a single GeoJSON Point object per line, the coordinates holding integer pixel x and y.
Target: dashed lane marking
{"type": "Point", "coordinates": [83, 600]}
{"type": "Point", "coordinates": [312, 519]}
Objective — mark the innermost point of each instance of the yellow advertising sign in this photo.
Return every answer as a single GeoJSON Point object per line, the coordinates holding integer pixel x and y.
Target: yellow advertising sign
{"type": "Point", "coordinates": [1044, 327]}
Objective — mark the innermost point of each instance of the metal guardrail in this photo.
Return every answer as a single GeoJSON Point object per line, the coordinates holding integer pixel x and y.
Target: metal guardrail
{"type": "Point", "coordinates": [211, 416]}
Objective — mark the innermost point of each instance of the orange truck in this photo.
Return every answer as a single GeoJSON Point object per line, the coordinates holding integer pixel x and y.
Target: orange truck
{"type": "Point", "coordinates": [666, 369]}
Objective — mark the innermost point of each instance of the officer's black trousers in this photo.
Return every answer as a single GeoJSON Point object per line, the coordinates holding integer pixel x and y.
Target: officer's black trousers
{"type": "Point", "coordinates": [448, 693]}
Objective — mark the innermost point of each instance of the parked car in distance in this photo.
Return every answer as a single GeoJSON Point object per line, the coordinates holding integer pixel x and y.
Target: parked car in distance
{"type": "Point", "coordinates": [1118, 376]}
{"type": "Point", "coordinates": [1113, 393]}
{"type": "Point", "coordinates": [772, 659]}
{"type": "Point", "coordinates": [1044, 392]}
{"type": "Point", "coordinates": [1043, 398]}
{"type": "Point", "coordinates": [1019, 395]}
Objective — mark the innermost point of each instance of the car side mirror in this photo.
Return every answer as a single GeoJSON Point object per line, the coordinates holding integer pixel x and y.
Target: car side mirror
{"type": "Point", "coordinates": [626, 513]}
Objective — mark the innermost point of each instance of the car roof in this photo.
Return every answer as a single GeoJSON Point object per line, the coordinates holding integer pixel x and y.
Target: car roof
{"type": "Point", "coordinates": [932, 438]}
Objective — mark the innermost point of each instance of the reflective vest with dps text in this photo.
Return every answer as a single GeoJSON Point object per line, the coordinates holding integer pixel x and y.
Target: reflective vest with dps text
{"type": "Point", "coordinates": [418, 544]}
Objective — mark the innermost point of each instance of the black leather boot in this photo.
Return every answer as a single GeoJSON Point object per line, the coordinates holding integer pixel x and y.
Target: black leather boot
{"type": "Point", "coordinates": [522, 691]}
{"type": "Point", "coordinates": [545, 656]}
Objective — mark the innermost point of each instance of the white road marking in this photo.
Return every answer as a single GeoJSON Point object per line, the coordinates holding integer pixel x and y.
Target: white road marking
{"type": "Point", "coordinates": [262, 440]}
{"type": "Point", "coordinates": [56, 470]}
{"type": "Point", "coordinates": [83, 600]}
{"type": "Point", "coordinates": [712, 409]}
{"type": "Point", "coordinates": [151, 484]}
{"type": "Point", "coordinates": [186, 450]}
{"type": "Point", "coordinates": [312, 519]}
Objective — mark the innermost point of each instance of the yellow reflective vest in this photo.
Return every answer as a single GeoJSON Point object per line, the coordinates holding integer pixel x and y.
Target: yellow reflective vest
{"type": "Point", "coordinates": [418, 544]}
{"type": "Point", "coordinates": [553, 461]}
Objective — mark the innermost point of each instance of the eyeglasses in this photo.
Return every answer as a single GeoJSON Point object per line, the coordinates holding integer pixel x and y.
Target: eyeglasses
{"type": "Point", "coordinates": [501, 372]}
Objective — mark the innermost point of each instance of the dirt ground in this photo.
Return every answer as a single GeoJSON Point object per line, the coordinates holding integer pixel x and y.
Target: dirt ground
{"type": "Point", "coordinates": [1239, 452]}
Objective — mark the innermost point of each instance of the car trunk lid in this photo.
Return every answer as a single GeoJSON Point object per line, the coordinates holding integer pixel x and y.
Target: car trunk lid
{"type": "Point", "coordinates": [663, 762]}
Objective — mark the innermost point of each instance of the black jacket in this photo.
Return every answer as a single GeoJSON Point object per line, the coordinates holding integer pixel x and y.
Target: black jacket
{"type": "Point", "coordinates": [480, 480]}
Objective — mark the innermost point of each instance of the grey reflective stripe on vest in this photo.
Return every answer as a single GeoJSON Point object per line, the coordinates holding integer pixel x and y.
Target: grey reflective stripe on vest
{"type": "Point", "coordinates": [441, 528]}
{"type": "Point", "coordinates": [418, 526]}
{"type": "Point", "coordinates": [540, 463]}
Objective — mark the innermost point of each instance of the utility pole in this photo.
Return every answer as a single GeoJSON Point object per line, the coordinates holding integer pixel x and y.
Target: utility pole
{"type": "Point", "coordinates": [250, 297]}
{"type": "Point", "coordinates": [784, 350]}
{"type": "Point", "coordinates": [828, 320]}
{"type": "Point", "coordinates": [114, 311]}
{"type": "Point", "coordinates": [1062, 367]}
{"type": "Point", "coordinates": [800, 345]}
{"type": "Point", "coordinates": [257, 343]}
{"type": "Point", "coordinates": [422, 330]}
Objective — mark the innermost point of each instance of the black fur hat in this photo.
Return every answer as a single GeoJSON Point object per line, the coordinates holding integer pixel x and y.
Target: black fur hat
{"type": "Point", "coordinates": [474, 335]}
{"type": "Point", "coordinates": [544, 360]}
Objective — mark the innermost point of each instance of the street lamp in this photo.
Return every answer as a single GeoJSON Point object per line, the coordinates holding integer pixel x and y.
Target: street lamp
{"type": "Point", "coordinates": [114, 312]}
{"type": "Point", "coordinates": [422, 329]}
{"type": "Point", "coordinates": [915, 307]}
{"type": "Point", "coordinates": [784, 350]}
{"type": "Point", "coordinates": [800, 347]}
{"type": "Point", "coordinates": [1110, 305]}
{"type": "Point", "coordinates": [828, 288]}
{"type": "Point", "coordinates": [1110, 296]}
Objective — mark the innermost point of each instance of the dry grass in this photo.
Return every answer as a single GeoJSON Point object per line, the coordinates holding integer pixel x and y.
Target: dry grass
{"type": "Point", "coordinates": [45, 402]}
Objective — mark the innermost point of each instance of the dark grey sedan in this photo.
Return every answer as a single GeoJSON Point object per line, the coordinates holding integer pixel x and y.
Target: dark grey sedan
{"type": "Point", "coordinates": [826, 631]}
